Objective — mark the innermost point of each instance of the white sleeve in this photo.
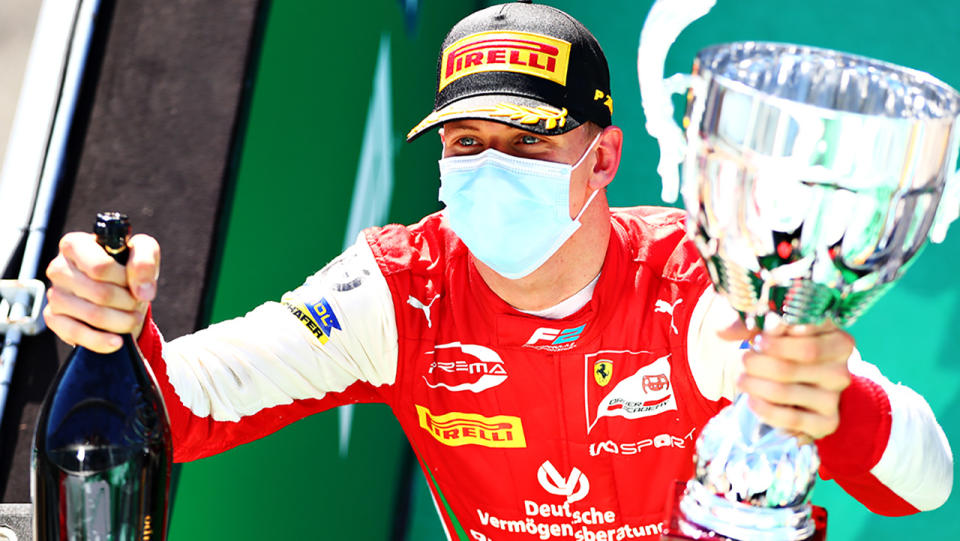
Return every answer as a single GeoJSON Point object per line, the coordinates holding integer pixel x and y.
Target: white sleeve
{"type": "Point", "coordinates": [917, 463]}
{"type": "Point", "coordinates": [715, 363]}
{"type": "Point", "coordinates": [336, 329]}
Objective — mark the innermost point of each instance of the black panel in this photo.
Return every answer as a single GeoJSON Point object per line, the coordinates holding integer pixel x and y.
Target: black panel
{"type": "Point", "coordinates": [153, 139]}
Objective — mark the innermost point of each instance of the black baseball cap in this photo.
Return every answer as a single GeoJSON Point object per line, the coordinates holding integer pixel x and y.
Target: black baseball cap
{"type": "Point", "coordinates": [527, 65]}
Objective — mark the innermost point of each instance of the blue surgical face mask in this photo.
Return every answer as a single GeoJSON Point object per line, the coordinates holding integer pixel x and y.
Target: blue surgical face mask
{"type": "Point", "coordinates": [512, 213]}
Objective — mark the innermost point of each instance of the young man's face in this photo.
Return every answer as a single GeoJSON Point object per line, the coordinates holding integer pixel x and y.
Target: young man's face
{"type": "Point", "coordinates": [470, 136]}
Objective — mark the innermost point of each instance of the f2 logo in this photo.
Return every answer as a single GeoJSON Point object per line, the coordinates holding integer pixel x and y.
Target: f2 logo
{"type": "Point", "coordinates": [559, 336]}
{"type": "Point", "coordinates": [574, 486]}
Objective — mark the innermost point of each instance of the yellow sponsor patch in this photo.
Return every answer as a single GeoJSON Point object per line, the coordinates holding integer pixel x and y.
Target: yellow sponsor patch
{"type": "Point", "coordinates": [602, 372]}
{"type": "Point", "coordinates": [457, 429]}
{"type": "Point", "coordinates": [318, 317]}
{"type": "Point", "coordinates": [517, 52]}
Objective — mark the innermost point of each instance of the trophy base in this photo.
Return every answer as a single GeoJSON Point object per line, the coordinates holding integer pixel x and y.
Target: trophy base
{"type": "Point", "coordinates": [679, 528]}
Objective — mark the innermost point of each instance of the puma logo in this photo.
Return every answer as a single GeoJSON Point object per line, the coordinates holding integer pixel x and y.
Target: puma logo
{"type": "Point", "coordinates": [416, 303]}
{"type": "Point", "coordinates": [664, 307]}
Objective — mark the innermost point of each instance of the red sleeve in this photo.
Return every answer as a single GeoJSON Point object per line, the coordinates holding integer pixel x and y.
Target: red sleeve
{"type": "Point", "coordinates": [848, 455]}
{"type": "Point", "coordinates": [151, 345]}
{"type": "Point", "coordinates": [197, 437]}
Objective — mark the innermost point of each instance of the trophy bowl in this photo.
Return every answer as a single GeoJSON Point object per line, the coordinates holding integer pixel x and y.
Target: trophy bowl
{"type": "Point", "coordinates": [811, 178]}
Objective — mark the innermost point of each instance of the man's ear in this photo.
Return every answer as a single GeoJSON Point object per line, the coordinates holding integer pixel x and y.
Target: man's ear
{"type": "Point", "coordinates": [609, 150]}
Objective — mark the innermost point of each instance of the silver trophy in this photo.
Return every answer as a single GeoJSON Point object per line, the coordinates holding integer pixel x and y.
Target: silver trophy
{"type": "Point", "coordinates": [810, 178]}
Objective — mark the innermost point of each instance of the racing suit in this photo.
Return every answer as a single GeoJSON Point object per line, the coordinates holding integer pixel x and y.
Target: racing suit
{"type": "Point", "coordinates": [525, 427]}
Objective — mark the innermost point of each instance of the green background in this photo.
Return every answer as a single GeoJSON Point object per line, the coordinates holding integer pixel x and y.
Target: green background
{"type": "Point", "coordinates": [292, 193]}
{"type": "Point", "coordinates": [286, 219]}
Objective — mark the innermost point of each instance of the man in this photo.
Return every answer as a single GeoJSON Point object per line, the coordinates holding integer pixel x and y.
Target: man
{"type": "Point", "coordinates": [550, 360]}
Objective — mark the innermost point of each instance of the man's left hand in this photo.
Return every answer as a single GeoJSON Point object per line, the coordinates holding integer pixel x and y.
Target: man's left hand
{"type": "Point", "coordinates": [794, 375]}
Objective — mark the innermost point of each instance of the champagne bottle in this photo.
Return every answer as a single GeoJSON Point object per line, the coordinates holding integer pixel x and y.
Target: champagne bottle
{"type": "Point", "coordinates": [102, 448]}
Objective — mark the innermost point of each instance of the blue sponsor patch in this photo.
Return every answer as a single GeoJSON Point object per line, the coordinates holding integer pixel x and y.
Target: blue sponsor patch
{"type": "Point", "coordinates": [323, 314]}
{"type": "Point", "coordinates": [318, 317]}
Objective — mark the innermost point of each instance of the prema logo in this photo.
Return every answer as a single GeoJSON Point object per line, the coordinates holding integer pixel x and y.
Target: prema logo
{"type": "Point", "coordinates": [456, 429]}
{"type": "Point", "coordinates": [640, 388]}
{"type": "Point", "coordinates": [574, 486]}
{"type": "Point", "coordinates": [465, 367]}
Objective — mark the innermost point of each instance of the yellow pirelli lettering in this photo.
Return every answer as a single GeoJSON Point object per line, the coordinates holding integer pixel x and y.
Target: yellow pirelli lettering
{"type": "Point", "coordinates": [516, 52]}
{"type": "Point", "coordinates": [456, 428]}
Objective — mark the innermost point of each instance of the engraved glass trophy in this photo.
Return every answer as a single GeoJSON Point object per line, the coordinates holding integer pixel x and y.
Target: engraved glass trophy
{"type": "Point", "coordinates": [810, 178]}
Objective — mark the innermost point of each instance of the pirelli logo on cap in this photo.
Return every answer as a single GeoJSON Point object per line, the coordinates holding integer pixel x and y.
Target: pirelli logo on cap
{"type": "Point", "coordinates": [457, 429]}
{"type": "Point", "coordinates": [517, 52]}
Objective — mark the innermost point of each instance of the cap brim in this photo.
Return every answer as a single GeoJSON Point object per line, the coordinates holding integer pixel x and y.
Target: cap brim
{"type": "Point", "coordinates": [524, 113]}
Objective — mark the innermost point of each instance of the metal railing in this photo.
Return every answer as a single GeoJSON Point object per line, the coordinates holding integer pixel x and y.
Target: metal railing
{"type": "Point", "coordinates": [34, 159]}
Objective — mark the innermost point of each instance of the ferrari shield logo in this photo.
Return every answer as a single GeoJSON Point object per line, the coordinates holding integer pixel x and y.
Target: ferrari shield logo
{"type": "Point", "coordinates": [602, 371]}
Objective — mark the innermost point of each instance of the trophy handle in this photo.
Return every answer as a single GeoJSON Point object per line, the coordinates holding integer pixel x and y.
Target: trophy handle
{"type": "Point", "coordinates": [949, 208]}
{"type": "Point", "coordinates": [664, 22]}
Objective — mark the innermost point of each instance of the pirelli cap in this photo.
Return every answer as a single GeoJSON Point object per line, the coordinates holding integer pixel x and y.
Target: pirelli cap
{"type": "Point", "coordinates": [526, 65]}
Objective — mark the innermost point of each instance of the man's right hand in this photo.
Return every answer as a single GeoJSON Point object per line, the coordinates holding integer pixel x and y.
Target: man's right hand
{"type": "Point", "coordinates": [92, 299]}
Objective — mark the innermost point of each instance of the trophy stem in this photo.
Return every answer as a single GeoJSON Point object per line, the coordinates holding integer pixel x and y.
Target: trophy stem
{"type": "Point", "coordinates": [752, 481]}
{"type": "Point", "coordinates": [681, 527]}
{"type": "Point", "coordinates": [736, 520]}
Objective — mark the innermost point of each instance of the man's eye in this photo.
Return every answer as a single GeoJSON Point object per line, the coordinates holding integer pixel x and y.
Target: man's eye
{"type": "Point", "coordinates": [529, 140]}
{"type": "Point", "coordinates": [467, 141]}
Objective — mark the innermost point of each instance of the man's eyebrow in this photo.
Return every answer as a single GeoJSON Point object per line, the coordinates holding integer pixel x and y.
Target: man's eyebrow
{"type": "Point", "coordinates": [542, 137]}
{"type": "Point", "coordinates": [460, 127]}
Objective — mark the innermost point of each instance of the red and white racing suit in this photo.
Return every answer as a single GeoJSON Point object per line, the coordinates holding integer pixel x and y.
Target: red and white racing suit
{"type": "Point", "coordinates": [525, 427]}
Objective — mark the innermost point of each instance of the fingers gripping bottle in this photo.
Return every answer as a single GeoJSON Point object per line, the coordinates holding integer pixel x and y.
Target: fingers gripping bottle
{"type": "Point", "coordinates": [102, 447]}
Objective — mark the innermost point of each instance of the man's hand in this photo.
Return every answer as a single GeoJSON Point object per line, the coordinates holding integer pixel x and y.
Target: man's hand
{"type": "Point", "coordinates": [92, 299]}
{"type": "Point", "coordinates": [794, 375]}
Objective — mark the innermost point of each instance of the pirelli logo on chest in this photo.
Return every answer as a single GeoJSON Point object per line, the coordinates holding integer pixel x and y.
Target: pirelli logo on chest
{"type": "Point", "coordinates": [517, 52]}
{"type": "Point", "coordinates": [457, 429]}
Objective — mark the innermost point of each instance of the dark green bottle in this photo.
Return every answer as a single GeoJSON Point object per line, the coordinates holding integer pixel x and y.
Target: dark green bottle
{"type": "Point", "coordinates": [102, 447]}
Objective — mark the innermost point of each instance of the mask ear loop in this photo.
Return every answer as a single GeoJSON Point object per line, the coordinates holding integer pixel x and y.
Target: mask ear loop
{"type": "Point", "coordinates": [585, 205]}
{"type": "Point", "coordinates": [574, 166]}
{"type": "Point", "coordinates": [586, 152]}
